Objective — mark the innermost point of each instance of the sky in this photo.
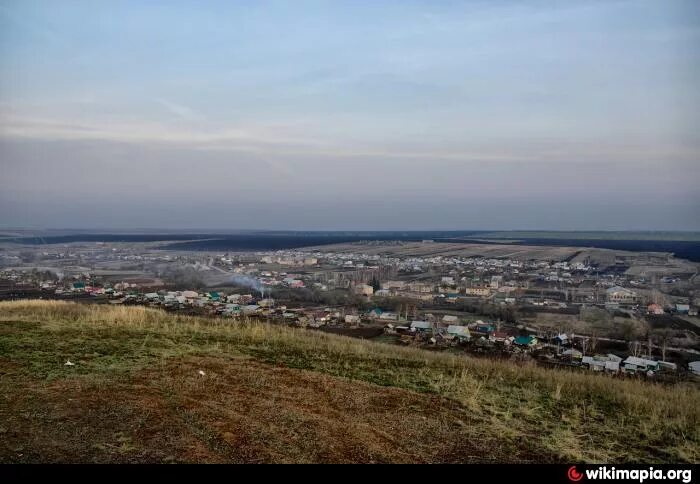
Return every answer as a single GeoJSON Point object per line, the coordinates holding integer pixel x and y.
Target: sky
{"type": "Point", "coordinates": [350, 115]}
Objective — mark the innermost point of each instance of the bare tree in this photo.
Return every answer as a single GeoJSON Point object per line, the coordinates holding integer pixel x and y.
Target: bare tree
{"type": "Point", "coordinates": [662, 337]}
{"type": "Point", "coordinates": [635, 348]}
{"type": "Point", "coordinates": [593, 341]}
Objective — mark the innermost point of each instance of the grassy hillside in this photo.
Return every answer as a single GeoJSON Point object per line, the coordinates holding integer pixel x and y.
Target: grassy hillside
{"type": "Point", "coordinates": [274, 394]}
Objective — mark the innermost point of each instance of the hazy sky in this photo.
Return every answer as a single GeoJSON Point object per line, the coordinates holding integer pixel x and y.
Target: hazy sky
{"type": "Point", "coordinates": [350, 114]}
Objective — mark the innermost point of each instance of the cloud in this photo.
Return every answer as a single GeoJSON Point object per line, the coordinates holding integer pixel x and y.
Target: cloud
{"type": "Point", "coordinates": [308, 139]}
{"type": "Point", "coordinates": [179, 110]}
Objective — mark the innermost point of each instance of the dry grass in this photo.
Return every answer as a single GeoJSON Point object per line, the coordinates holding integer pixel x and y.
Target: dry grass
{"type": "Point", "coordinates": [556, 415]}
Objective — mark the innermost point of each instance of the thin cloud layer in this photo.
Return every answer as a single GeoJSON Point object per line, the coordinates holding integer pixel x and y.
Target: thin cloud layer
{"type": "Point", "coordinates": [309, 104]}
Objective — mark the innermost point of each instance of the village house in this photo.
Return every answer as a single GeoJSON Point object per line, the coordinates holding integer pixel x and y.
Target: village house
{"type": "Point", "coordinates": [501, 337]}
{"type": "Point", "coordinates": [634, 364]}
{"type": "Point", "coordinates": [352, 319]}
{"type": "Point", "coordinates": [482, 329]}
{"type": "Point", "coordinates": [609, 363]}
{"type": "Point", "coordinates": [389, 317]}
{"type": "Point", "coordinates": [572, 354]}
{"type": "Point", "coordinates": [449, 319]}
{"type": "Point", "coordinates": [393, 286]}
{"type": "Point", "coordinates": [447, 281]}
{"type": "Point", "coordinates": [561, 339]}
{"type": "Point", "coordinates": [655, 309]}
{"type": "Point", "coordinates": [266, 303]}
{"type": "Point", "coordinates": [421, 326]}
{"type": "Point", "coordinates": [620, 295]}
{"type": "Point", "coordinates": [478, 291]}
{"type": "Point", "coordinates": [363, 290]}
{"type": "Point", "coordinates": [682, 308]}
{"type": "Point", "coordinates": [250, 309]}
{"type": "Point", "coordinates": [420, 288]}
{"type": "Point", "coordinates": [459, 332]}
{"type": "Point", "coordinates": [525, 341]}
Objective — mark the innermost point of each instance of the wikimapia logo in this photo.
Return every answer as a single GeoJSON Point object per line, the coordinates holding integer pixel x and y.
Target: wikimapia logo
{"type": "Point", "coordinates": [574, 475]}
{"type": "Point", "coordinates": [639, 475]}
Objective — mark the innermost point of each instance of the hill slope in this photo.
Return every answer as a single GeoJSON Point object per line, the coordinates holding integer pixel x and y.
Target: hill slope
{"type": "Point", "coordinates": [136, 393]}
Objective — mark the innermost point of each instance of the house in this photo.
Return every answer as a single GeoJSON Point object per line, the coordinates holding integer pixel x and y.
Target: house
{"type": "Point", "coordinates": [460, 332]}
{"type": "Point", "coordinates": [501, 337]}
{"type": "Point", "coordinates": [352, 318]}
{"type": "Point", "coordinates": [694, 367]}
{"type": "Point", "coordinates": [266, 303]}
{"type": "Point", "coordinates": [572, 353]}
{"type": "Point", "coordinates": [483, 329]}
{"type": "Point", "coordinates": [620, 295]}
{"type": "Point", "coordinates": [561, 339]}
{"type": "Point", "coordinates": [478, 291]}
{"type": "Point", "coordinates": [595, 363]}
{"type": "Point", "coordinates": [389, 317]}
{"type": "Point", "coordinates": [375, 313]}
{"type": "Point", "coordinates": [655, 309]}
{"type": "Point", "coordinates": [250, 309]}
{"type": "Point", "coordinates": [602, 363]}
{"type": "Point", "coordinates": [232, 308]}
{"type": "Point", "coordinates": [527, 341]}
{"type": "Point", "coordinates": [214, 296]}
{"type": "Point", "coordinates": [449, 319]}
{"type": "Point", "coordinates": [421, 326]}
{"type": "Point", "coordinates": [420, 287]}
{"type": "Point", "coordinates": [682, 308]}
{"type": "Point", "coordinates": [393, 285]}
{"type": "Point", "coordinates": [667, 365]}
{"type": "Point", "coordinates": [363, 290]}
{"type": "Point", "coordinates": [634, 364]}
{"type": "Point", "coordinates": [612, 357]}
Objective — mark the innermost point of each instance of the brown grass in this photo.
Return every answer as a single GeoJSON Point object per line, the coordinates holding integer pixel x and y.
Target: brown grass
{"type": "Point", "coordinates": [410, 400]}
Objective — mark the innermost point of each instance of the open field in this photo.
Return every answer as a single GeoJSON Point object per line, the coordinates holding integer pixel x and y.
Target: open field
{"type": "Point", "coordinates": [593, 235]}
{"type": "Point", "coordinates": [275, 394]}
{"type": "Point", "coordinates": [420, 249]}
{"type": "Point", "coordinates": [640, 263]}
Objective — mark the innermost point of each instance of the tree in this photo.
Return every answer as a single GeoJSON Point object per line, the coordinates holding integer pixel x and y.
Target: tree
{"type": "Point", "coordinates": [628, 330]}
{"type": "Point", "coordinates": [662, 337]}
{"type": "Point", "coordinates": [635, 348]}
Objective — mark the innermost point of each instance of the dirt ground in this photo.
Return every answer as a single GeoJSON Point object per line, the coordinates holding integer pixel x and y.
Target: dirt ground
{"type": "Point", "coordinates": [238, 411]}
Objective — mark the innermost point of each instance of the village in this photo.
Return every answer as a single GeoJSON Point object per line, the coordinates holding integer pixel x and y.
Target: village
{"type": "Point", "coordinates": [576, 313]}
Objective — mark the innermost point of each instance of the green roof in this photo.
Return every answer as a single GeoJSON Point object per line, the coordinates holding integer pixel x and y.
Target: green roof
{"type": "Point", "coordinates": [523, 340]}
